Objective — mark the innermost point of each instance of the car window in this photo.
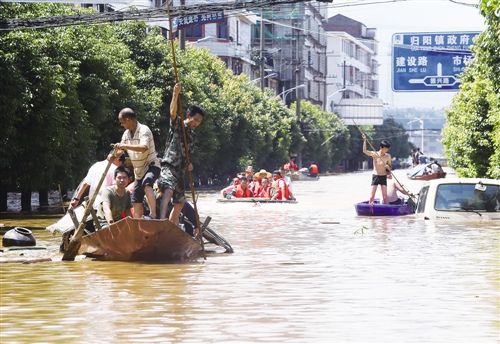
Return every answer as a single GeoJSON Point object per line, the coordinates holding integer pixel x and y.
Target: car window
{"type": "Point", "coordinates": [468, 197]}
{"type": "Point", "coordinates": [422, 198]}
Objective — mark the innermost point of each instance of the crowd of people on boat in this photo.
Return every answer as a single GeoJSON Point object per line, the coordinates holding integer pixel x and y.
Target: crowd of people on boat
{"type": "Point", "coordinates": [276, 186]}
{"type": "Point", "coordinates": [147, 170]}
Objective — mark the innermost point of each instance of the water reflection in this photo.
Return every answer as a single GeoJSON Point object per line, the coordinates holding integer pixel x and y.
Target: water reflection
{"type": "Point", "coordinates": [300, 273]}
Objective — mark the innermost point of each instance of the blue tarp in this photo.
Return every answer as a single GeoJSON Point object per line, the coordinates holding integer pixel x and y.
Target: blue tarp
{"type": "Point", "coordinates": [417, 170]}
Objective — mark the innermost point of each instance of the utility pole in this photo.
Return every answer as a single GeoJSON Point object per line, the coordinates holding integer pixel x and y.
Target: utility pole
{"type": "Point", "coordinates": [182, 33]}
{"type": "Point", "coordinates": [297, 91]}
{"type": "Point", "coordinates": [262, 80]}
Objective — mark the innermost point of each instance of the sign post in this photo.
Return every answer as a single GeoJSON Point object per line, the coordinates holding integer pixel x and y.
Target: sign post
{"type": "Point", "coordinates": [429, 62]}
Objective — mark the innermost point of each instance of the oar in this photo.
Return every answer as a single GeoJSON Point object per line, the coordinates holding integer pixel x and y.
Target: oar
{"type": "Point", "coordinates": [184, 133]}
{"type": "Point", "coordinates": [75, 243]}
{"type": "Point", "coordinates": [404, 187]}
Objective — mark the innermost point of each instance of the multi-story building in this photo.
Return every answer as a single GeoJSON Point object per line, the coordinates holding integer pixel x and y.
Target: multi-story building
{"type": "Point", "coordinates": [352, 75]}
{"type": "Point", "coordinates": [229, 39]}
{"type": "Point", "coordinates": [293, 50]}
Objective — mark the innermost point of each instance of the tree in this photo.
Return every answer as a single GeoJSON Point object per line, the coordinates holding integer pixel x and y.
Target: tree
{"type": "Point", "coordinates": [60, 87]}
{"type": "Point", "coordinates": [471, 135]}
{"type": "Point", "coordinates": [327, 137]}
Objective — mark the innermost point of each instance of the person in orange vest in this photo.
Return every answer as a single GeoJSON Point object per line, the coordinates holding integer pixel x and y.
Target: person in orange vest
{"type": "Point", "coordinates": [265, 189]}
{"type": "Point", "coordinates": [313, 170]}
{"type": "Point", "coordinates": [291, 165]}
{"type": "Point", "coordinates": [243, 190]}
{"type": "Point", "coordinates": [280, 187]}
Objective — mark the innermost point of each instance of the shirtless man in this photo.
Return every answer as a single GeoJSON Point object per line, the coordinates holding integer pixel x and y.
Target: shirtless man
{"type": "Point", "coordinates": [381, 166]}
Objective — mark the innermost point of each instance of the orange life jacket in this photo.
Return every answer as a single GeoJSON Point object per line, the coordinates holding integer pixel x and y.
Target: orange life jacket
{"type": "Point", "coordinates": [264, 192]}
{"type": "Point", "coordinates": [243, 193]}
{"type": "Point", "coordinates": [278, 189]}
{"type": "Point", "coordinates": [313, 169]}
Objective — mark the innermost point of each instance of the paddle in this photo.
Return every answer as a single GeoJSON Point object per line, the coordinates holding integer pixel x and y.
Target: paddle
{"type": "Point", "coordinates": [404, 187]}
{"type": "Point", "coordinates": [184, 133]}
{"type": "Point", "coordinates": [75, 243]}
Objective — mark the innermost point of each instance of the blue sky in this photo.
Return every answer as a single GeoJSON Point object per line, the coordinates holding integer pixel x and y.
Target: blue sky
{"type": "Point", "coordinates": [393, 16]}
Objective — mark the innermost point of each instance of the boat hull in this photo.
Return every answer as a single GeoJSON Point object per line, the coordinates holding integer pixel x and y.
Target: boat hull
{"type": "Point", "coordinates": [302, 177]}
{"type": "Point", "coordinates": [140, 240]}
{"type": "Point", "coordinates": [429, 176]}
{"type": "Point", "coordinates": [377, 209]}
{"type": "Point", "coordinates": [253, 200]}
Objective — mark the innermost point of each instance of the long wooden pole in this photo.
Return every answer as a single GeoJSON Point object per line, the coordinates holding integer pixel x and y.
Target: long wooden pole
{"type": "Point", "coordinates": [371, 146]}
{"type": "Point", "coordinates": [75, 243]}
{"type": "Point", "coordinates": [186, 148]}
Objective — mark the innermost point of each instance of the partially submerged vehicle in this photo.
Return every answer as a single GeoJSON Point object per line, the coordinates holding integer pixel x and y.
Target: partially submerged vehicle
{"type": "Point", "coordinates": [459, 199]}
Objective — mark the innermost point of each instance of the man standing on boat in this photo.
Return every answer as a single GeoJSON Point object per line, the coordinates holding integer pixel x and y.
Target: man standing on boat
{"type": "Point", "coordinates": [381, 166]}
{"type": "Point", "coordinates": [139, 143]}
{"type": "Point", "coordinates": [174, 162]}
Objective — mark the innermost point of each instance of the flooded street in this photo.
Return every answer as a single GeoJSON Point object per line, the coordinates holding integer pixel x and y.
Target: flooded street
{"type": "Point", "coordinates": [311, 272]}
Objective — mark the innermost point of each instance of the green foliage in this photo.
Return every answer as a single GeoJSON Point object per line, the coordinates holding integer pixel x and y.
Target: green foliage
{"type": "Point", "coordinates": [327, 137]}
{"type": "Point", "coordinates": [471, 135]}
{"type": "Point", "coordinates": [62, 88]}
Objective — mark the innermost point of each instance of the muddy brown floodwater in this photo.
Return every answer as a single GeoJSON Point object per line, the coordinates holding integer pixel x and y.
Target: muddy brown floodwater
{"type": "Point", "coordinates": [311, 272]}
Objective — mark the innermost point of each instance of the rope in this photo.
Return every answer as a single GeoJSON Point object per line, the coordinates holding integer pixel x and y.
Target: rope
{"type": "Point", "coordinates": [179, 106]}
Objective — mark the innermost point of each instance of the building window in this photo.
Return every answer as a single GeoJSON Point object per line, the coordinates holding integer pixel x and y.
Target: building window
{"type": "Point", "coordinates": [222, 29]}
{"type": "Point", "coordinates": [195, 32]}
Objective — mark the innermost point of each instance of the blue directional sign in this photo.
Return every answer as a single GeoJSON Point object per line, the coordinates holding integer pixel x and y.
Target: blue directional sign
{"type": "Point", "coordinates": [430, 61]}
{"type": "Point", "coordinates": [196, 19]}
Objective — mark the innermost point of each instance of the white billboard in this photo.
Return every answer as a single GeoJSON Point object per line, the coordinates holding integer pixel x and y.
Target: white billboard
{"type": "Point", "coordinates": [361, 111]}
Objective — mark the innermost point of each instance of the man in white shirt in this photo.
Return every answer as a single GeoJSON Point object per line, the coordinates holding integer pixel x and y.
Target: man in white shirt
{"type": "Point", "coordinates": [93, 178]}
{"type": "Point", "coordinates": [288, 182]}
{"type": "Point", "coordinates": [139, 143]}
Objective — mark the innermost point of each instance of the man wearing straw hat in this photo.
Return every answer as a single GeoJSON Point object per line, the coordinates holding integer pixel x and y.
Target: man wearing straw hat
{"type": "Point", "coordinates": [174, 162]}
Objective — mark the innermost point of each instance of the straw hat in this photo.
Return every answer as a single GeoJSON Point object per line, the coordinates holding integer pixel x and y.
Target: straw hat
{"type": "Point", "coordinates": [261, 174]}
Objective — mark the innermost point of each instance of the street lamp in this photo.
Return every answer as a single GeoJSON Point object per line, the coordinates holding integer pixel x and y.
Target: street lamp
{"type": "Point", "coordinates": [331, 95]}
{"type": "Point", "coordinates": [422, 132]}
{"type": "Point", "coordinates": [285, 93]}
{"type": "Point", "coordinates": [270, 75]}
{"type": "Point", "coordinates": [207, 38]}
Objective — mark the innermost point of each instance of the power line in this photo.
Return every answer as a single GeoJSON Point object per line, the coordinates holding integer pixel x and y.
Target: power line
{"type": "Point", "coordinates": [155, 13]}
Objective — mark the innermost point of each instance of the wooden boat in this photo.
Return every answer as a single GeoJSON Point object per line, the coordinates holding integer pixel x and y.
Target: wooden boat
{"type": "Point", "coordinates": [419, 173]}
{"type": "Point", "coordinates": [137, 239]}
{"type": "Point", "coordinates": [140, 240]}
{"type": "Point", "coordinates": [431, 176]}
{"type": "Point", "coordinates": [253, 200]}
{"type": "Point", "coordinates": [302, 176]}
{"type": "Point", "coordinates": [378, 209]}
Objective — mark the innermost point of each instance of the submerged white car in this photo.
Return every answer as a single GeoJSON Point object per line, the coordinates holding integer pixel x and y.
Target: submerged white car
{"type": "Point", "coordinates": [459, 199]}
